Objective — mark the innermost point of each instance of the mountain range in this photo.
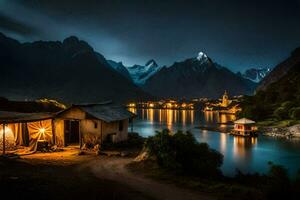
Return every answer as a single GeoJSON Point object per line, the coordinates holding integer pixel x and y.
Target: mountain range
{"type": "Point", "coordinates": [197, 77]}
{"type": "Point", "coordinates": [70, 71]}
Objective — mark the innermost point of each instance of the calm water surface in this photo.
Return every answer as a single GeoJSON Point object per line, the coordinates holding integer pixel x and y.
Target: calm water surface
{"type": "Point", "coordinates": [246, 154]}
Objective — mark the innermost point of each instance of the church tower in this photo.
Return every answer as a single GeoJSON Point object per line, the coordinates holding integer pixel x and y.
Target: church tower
{"type": "Point", "coordinates": [225, 100]}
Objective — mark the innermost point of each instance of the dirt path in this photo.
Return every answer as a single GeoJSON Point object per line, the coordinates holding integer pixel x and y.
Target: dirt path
{"type": "Point", "coordinates": [113, 168]}
{"type": "Point", "coordinates": [112, 176]}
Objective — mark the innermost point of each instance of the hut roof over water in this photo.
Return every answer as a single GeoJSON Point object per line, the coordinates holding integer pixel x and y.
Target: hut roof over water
{"type": "Point", "coordinates": [244, 121]}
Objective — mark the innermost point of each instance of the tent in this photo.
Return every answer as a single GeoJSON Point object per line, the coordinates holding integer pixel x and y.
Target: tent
{"type": "Point", "coordinates": [25, 129]}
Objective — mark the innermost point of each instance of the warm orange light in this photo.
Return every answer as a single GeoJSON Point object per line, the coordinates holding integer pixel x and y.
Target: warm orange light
{"type": "Point", "coordinates": [131, 105]}
{"type": "Point", "coordinates": [42, 130]}
{"type": "Point", "coordinates": [9, 138]}
{"type": "Point", "coordinates": [169, 105]}
{"type": "Point", "coordinates": [151, 105]}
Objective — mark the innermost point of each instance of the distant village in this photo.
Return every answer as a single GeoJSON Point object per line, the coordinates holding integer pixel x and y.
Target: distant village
{"type": "Point", "coordinates": [222, 105]}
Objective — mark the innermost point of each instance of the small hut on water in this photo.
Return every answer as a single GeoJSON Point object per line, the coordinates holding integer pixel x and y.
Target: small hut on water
{"type": "Point", "coordinates": [244, 127]}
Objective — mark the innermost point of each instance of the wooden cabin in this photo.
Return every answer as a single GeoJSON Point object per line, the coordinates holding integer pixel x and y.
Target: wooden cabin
{"type": "Point", "coordinates": [93, 124]}
{"type": "Point", "coordinates": [244, 127]}
{"type": "Point", "coordinates": [89, 124]}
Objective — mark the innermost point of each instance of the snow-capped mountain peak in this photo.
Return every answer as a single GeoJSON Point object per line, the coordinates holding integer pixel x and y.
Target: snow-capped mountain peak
{"type": "Point", "coordinates": [140, 73]}
{"type": "Point", "coordinates": [151, 63]}
{"type": "Point", "coordinates": [202, 57]}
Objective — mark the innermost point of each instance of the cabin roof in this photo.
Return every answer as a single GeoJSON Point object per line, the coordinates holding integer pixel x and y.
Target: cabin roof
{"type": "Point", "coordinates": [17, 117]}
{"type": "Point", "coordinates": [244, 121]}
{"type": "Point", "coordinates": [106, 111]}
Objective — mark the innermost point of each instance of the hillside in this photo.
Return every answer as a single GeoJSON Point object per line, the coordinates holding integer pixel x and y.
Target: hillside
{"type": "Point", "coordinates": [278, 96]}
{"type": "Point", "coordinates": [69, 71]}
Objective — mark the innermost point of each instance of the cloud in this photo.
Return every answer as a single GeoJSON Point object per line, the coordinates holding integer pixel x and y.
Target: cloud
{"type": "Point", "coordinates": [17, 27]}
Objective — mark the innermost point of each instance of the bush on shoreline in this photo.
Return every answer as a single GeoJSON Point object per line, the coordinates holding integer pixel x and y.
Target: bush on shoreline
{"type": "Point", "coordinates": [134, 141]}
{"type": "Point", "coordinates": [181, 153]}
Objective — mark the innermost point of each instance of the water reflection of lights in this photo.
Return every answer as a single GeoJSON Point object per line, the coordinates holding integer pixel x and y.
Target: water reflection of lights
{"type": "Point", "coordinates": [143, 114]}
{"type": "Point", "coordinates": [209, 116]}
{"type": "Point", "coordinates": [242, 145]}
{"type": "Point", "coordinates": [175, 115]}
{"type": "Point", "coordinates": [133, 110]}
{"type": "Point", "coordinates": [151, 115]}
{"type": "Point", "coordinates": [224, 118]}
{"type": "Point", "coordinates": [205, 134]}
{"type": "Point", "coordinates": [192, 116]}
{"type": "Point", "coordinates": [223, 142]}
{"type": "Point", "coordinates": [183, 117]}
{"type": "Point", "coordinates": [167, 116]}
{"type": "Point", "coordinates": [160, 115]}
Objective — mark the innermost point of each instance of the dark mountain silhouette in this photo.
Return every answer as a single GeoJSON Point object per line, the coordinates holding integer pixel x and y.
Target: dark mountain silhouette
{"type": "Point", "coordinates": [197, 77]}
{"type": "Point", "coordinates": [70, 71]}
{"type": "Point", "coordinates": [281, 70]}
{"type": "Point", "coordinates": [119, 67]}
{"type": "Point", "coordinates": [283, 83]}
{"type": "Point", "coordinates": [278, 95]}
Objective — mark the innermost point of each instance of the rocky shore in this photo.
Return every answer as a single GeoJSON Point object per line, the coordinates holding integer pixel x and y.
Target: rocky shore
{"type": "Point", "coordinates": [286, 132]}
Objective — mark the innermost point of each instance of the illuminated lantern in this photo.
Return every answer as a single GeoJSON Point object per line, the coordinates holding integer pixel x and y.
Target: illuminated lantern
{"type": "Point", "coordinates": [9, 138]}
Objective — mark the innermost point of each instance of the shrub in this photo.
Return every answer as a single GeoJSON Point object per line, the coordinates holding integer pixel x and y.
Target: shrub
{"type": "Point", "coordinates": [182, 153]}
{"type": "Point", "coordinates": [281, 113]}
{"type": "Point", "coordinates": [279, 186]}
{"type": "Point", "coordinates": [295, 113]}
{"type": "Point", "coordinates": [287, 105]}
{"type": "Point", "coordinates": [134, 141]}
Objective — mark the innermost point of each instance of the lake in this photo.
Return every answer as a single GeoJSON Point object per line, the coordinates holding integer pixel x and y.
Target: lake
{"type": "Point", "coordinates": [245, 154]}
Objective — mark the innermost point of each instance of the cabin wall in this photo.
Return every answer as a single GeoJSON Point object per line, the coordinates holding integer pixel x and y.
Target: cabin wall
{"type": "Point", "coordinates": [113, 128]}
{"type": "Point", "coordinates": [243, 127]}
{"type": "Point", "coordinates": [90, 131]}
{"type": "Point", "coordinates": [59, 132]}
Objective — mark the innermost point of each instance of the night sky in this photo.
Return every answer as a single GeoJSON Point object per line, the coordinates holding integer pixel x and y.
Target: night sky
{"type": "Point", "coordinates": [235, 33]}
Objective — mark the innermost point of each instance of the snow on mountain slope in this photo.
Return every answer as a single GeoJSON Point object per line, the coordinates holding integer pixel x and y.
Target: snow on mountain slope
{"type": "Point", "coordinates": [256, 74]}
{"type": "Point", "coordinates": [140, 73]}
